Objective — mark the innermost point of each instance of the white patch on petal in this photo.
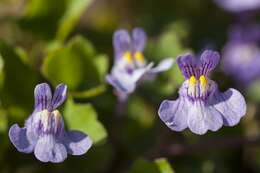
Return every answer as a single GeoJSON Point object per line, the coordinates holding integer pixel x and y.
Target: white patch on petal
{"type": "Point", "coordinates": [202, 118]}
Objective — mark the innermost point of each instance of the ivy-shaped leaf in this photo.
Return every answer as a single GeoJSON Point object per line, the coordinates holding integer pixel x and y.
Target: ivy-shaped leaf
{"type": "Point", "coordinates": [83, 117]}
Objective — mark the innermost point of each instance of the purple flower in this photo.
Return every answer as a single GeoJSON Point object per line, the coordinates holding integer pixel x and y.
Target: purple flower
{"type": "Point", "coordinates": [130, 64]}
{"type": "Point", "coordinates": [44, 133]}
{"type": "Point", "coordinates": [239, 5]}
{"type": "Point", "coordinates": [241, 54]}
{"type": "Point", "coordinates": [201, 106]}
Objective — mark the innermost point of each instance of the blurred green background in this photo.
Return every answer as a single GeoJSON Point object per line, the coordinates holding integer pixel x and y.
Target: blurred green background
{"type": "Point", "coordinates": [70, 41]}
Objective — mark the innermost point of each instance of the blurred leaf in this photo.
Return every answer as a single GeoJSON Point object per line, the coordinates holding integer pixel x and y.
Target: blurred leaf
{"type": "Point", "coordinates": [71, 16]}
{"type": "Point", "coordinates": [141, 111]}
{"type": "Point", "coordinates": [101, 63]}
{"type": "Point", "coordinates": [19, 79]}
{"type": "Point", "coordinates": [158, 166]}
{"type": "Point", "coordinates": [164, 166]}
{"type": "Point", "coordinates": [23, 55]}
{"type": "Point", "coordinates": [3, 120]}
{"type": "Point", "coordinates": [84, 117]}
{"type": "Point", "coordinates": [42, 16]}
{"type": "Point", "coordinates": [75, 64]}
{"type": "Point", "coordinates": [169, 44]}
{"type": "Point", "coordinates": [17, 114]}
{"type": "Point", "coordinates": [1, 72]}
{"type": "Point", "coordinates": [93, 92]}
{"type": "Point", "coordinates": [37, 8]}
{"type": "Point", "coordinates": [1, 64]}
{"type": "Point", "coordinates": [97, 159]}
{"type": "Point", "coordinates": [60, 16]}
{"type": "Point", "coordinates": [253, 91]}
{"type": "Point", "coordinates": [143, 166]}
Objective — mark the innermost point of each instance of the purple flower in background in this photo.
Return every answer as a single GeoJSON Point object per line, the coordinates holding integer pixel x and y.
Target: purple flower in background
{"type": "Point", "coordinates": [130, 64]}
{"type": "Point", "coordinates": [44, 133]}
{"type": "Point", "coordinates": [241, 54]}
{"type": "Point", "coordinates": [201, 106]}
{"type": "Point", "coordinates": [239, 5]}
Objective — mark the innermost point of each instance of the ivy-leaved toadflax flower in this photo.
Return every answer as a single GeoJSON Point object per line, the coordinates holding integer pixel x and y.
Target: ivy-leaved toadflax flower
{"type": "Point", "coordinates": [241, 54]}
{"type": "Point", "coordinates": [201, 106]}
{"type": "Point", "coordinates": [130, 64]}
{"type": "Point", "coordinates": [43, 132]}
{"type": "Point", "coordinates": [239, 5]}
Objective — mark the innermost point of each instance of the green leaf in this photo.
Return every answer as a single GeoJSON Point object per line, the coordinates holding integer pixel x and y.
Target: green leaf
{"type": "Point", "coordinates": [1, 64]}
{"type": "Point", "coordinates": [93, 92]}
{"type": "Point", "coordinates": [158, 166]}
{"type": "Point", "coordinates": [169, 44]}
{"type": "Point", "coordinates": [101, 63]}
{"type": "Point", "coordinates": [42, 16]}
{"type": "Point", "coordinates": [19, 79]}
{"type": "Point", "coordinates": [83, 117]}
{"type": "Point", "coordinates": [53, 18]}
{"type": "Point", "coordinates": [1, 72]}
{"type": "Point", "coordinates": [70, 18]}
{"type": "Point", "coordinates": [164, 165]}
{"type": "Point", "coordinates": [3, 120]}
{"type": "Point", "coordinates": [253, 91]}
{"type": "Point", "coordinates": [76, 65]}
{"type": "Point", "coordinates": [38, 8]}
{"type": "Point", "coordinates": [141, 111]}
{"type": "Point", "coordinates": [143, 166]}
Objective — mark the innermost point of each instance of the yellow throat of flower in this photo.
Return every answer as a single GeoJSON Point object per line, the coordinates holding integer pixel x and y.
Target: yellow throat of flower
{"type": "Point", "coordinates": [192, 81]}
{"type": "Point", "coordinates": [139, 56]}
{"type": "Point", "coordinates": [197, 87]}
{"type": "Point", "coordinates": [128, 57]}
{"type": "Point", "coordinates": [203, 81]}
{"type": "Point", "coordinates": [45, 115]}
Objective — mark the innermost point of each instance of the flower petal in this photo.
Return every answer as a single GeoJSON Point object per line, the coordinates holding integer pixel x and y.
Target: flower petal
{"type": "Point", "coordinates": [42, 96]}
{"type": "Point", "coordinates": [59, 96]}
{"type": "Point", "coordinates": [231, 104]}
{"type": "Point", "coordinates": [19, 139]}
{"type": "Point", "coordinates": [126, 82]}
{"type": "Point", "coordinates": [121, 43]}
{"type": "Point", "coordinates": [238, 5]}
{"type": "Point", "coordinates": [48, 150]}
{"type": "Point", "coordinates": [174, 114]}
{"type": "Point", "coordinates": [209, 60]}
{"type": "Point", "coordinates": [187, 64]}
{"type": "Point", "coordinates": [120, 84]}
{"type": "Point", "coordinates": [33, 125]}
{"type": "Point", "coordinates": [202, 118]}
{"type": "Point", "coordinates": [139, 39]}
{"type": "Point", "coordinates": [77, 143]}
{"type": "Point", "coordinates": [242, 58]}
{"type": "Point", "coordinates": [138, 73]}
{"type": "Point", "coordinates": [163, 65]}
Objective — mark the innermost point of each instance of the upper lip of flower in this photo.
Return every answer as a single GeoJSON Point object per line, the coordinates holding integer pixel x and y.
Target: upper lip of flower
{"type": "Point", "coordinates": [190, 66]}
{"type": "Point", "coordinates": [124, 43]}
{"type": "Point", "coordinates": [196, 72]}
